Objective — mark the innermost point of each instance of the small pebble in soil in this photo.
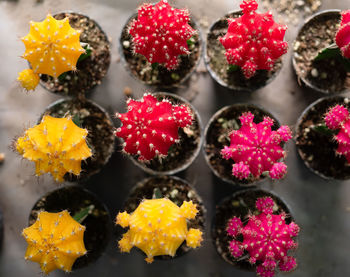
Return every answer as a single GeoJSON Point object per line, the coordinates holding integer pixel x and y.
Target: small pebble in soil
{"type": "Point", "coordinates": [314, 73]}
{"type": "Point", "coordinates": [127, 91]}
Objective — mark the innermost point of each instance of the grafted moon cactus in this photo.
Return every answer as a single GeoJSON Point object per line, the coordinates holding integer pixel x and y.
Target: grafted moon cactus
{"type": "Point", "coordinates": [150, 126]}
{"type": "Point", "coordinates": [52, 47]}
{"type": "Point", "coordinates": [256, 149]}
{"type": "Point", "coordinates": [266, 238]}
{"type": "Point", "coordinates": [254, 41]}
{"type": "Point", "coordinates": [158, 227]}
{"type": "Point", "coordinates": [160, 33]}
{"type": "Point", "coordinates": [337, 118]}
{"type": "Point", "coordinates": [342, 37]}
{"type": "Point", "coordinates": [55, 241]}
{"type": "Point", "coordinates": [56, 145]}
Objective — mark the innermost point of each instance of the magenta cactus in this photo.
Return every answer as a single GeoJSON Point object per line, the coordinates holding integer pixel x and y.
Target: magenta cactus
{"type": "Point", "coordinates": [342, 38]}
{"type": "Point", "coordinates": [256, 149]}
{"type": "Point", "coordinates": [266, 238]}
{"type": "Point", "coordinates": [150, 126]}
{"type": "Point", "coordinates": [160, 33]}
{"type": "Point", "coordinates": [338, 118]}
{"type": "Point", "coordinates": [254, 41]}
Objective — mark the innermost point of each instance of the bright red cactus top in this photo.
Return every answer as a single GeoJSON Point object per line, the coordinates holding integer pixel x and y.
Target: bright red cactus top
{"type": "Point", "coordinates": [160, 33]}
{"type": "Point", "coordinates": [255, 148]}
{"type": "Point", "coordinates": [150, 126]}
{"type": "Point", "coordinates": [342, 37]}
{"type": "Point", "coordinates": [266, 237]}
{"type": "Point", "coordinates": [254, 41]}
{"type": "Point", "coordinates": [338, 118]}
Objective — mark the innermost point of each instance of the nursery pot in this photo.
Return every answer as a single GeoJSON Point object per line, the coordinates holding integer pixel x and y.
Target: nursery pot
{"type": "Point", "coordinates": [91, 70]}
{"type": "Point", "coordinates": [181, 155]}
{"type": "Point", "coordinates": [218, 67]}
{"type": "Point", "coordinates": [317, 149]}
{"type": "Point", "coordinates": [216, 136]}
{"type": "Point", "coordinates": [175, 189]}
{"type": "Point", "coordinates": [327, 76]}
{"type": "Point", "coordinates": [158, 76]}
{"type": "Point", "coordinates": [97, 121]}
{"type": "Point", "coordinates": [98, 222]}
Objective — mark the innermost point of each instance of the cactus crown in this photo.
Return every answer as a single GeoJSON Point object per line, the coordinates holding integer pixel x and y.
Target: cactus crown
{"type": "Point", "coordinates": [158, 227]}
{"type": "Point", "coordinates": [266, 237]}
{"type": "Point", "coordinates": [337, 118]}
{"type": "Point", "coordinates": [254, 41]}
{"type": "Point", "coordinates": [342, 37]}
{"type": "Point", "coordinates": [55, 241]}
{"type": "Point", "coordinates": [150, 126]}
{"type": "Point", "coordinates": [160, 33]}
{"type": "Point", "coordinates": [56, 145]}
{"type": "Point", "coordinates": [255, 148]}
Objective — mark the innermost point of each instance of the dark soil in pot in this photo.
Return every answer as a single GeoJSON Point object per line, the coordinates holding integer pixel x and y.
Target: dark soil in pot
{"type": "Point", "coordinates": [317, 149]}
{"type": "Point", "coordinates": [98, 223]}
{"type": "Point", "coordinates": [217, 136]}
{"type": "Point", "coordinates": [240, 204]}
{"type": "Point", "coordinates": [96, 120]}
{"type": "Point", "coordinates": [159, 76]}
{"type": "Point", "coordinates": [90, 71]}
{"type": "Point", "coordinates": [176, 190]}
{"type": "Point", "coordinates": [328, 75]}
{"type": "Point", "coordinates": [182, 154]}
{"type": "Point", "coordinates": [218, 67]}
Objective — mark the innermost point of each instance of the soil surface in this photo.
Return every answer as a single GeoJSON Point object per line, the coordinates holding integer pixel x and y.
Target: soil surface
{"type": "Point", "coordinates": [328, 75]}
{"type": "Point", "coordinates": [175, 190]}
{"type": "Point", "coordinates": [218, 66]}
{"type": "Point", "coordinates": [100, 138]}
{"type": "Point", "coordinates": [240, 204]}
{"type": "Point", "coordinates": [90, 71]}
{"type": "Point", "coordinates": [98, 223]}
{"type": "Point", "coordinates": [318, 149]}
{"type": "Point", "coordinates": [217, 136]}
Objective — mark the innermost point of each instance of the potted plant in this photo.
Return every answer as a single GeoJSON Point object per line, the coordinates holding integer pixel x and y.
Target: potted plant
{"type": "Point", "coordinates": [243, 144]}
{"type": "Point", "coordinates": [160, 44]}
{"type": "Point", "coordinates": [161, 133]}
{"type": "Point", "coordinates": [244, 47]}
{"type": "Point", "coordinates": [68, 52]}
{"type": "Point", "coordinates": [321, 52]}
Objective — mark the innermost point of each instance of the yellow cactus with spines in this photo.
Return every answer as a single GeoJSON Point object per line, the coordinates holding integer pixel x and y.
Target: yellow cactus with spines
{"type": "Point", "coordinates": [56, 145]}
{"type": "Point", "coordinates": [158, 227]}
{"type": "Point", "coordinates": [28, 79]}
{"type": "Point", "coordinates": [55, 241]}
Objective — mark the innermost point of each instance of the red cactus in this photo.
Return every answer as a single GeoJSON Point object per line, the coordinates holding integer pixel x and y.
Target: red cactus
{"type": "Point", "coordinates": [342, 38]}
{"type": "Point", "coordinates": [266, 237]}
{"type": "Point", "coordinates": [160, 33]}
{"type": "Point", "coordinates": [338, 118]}
{"type": "Point", "coordinates": [255, 148]}
{"type": "Point", "coordinates": [150, 127]}
{"type": "Point", "coordinates": [254, 41]}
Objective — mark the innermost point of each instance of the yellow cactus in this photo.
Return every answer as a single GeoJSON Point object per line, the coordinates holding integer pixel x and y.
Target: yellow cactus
{"type": "Point", "coordinates": [56, 145]}
{"type": "Point", "coordinates": [28, 79]}
{"type": "Point", "coordinates": [158, 227]}
{"type": "Point", "coordinates": [55, 241]}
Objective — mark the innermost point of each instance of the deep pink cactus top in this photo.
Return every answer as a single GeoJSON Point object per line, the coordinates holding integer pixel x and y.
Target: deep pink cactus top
{"type": "Point", "coordinates": [342, 37]}
{"type": "Point", "coordinates": [160, 33]}
{"type": "Point", "coordinates": [266, 237]}
{"type": "Point", "coordinates": [150, 126]}
{"type": "Point", "coordinates": [254, 41]}
{"type": "Point", "coordinates": [338, 118]}
{"type": "Point", "coordinates": [255, 148]}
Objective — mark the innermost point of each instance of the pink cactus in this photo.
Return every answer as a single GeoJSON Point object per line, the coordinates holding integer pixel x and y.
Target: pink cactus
{"type": "Point", "coordinates": [150, 127]}
{"type": "Point", "coordinates": [342, 38]}
{"type": "Point", "coordinates": [160, 33]}
{"type": "Point", "coordinates": [255, 148]}
{"type": "Point", "coordinates": [338, 118]}
{"type": "Point", "coordinates": [266, 237]}
{"type": "Point", "coordinates": [254, 41]}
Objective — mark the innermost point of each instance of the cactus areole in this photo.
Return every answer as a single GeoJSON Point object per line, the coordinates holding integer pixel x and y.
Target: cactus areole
{"type": "Point", "coordinates": [254, 41]}
{"type": "Point", "coordinates": [266, 238]}
{"type": "Point", "coordinates": [160, 33]}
